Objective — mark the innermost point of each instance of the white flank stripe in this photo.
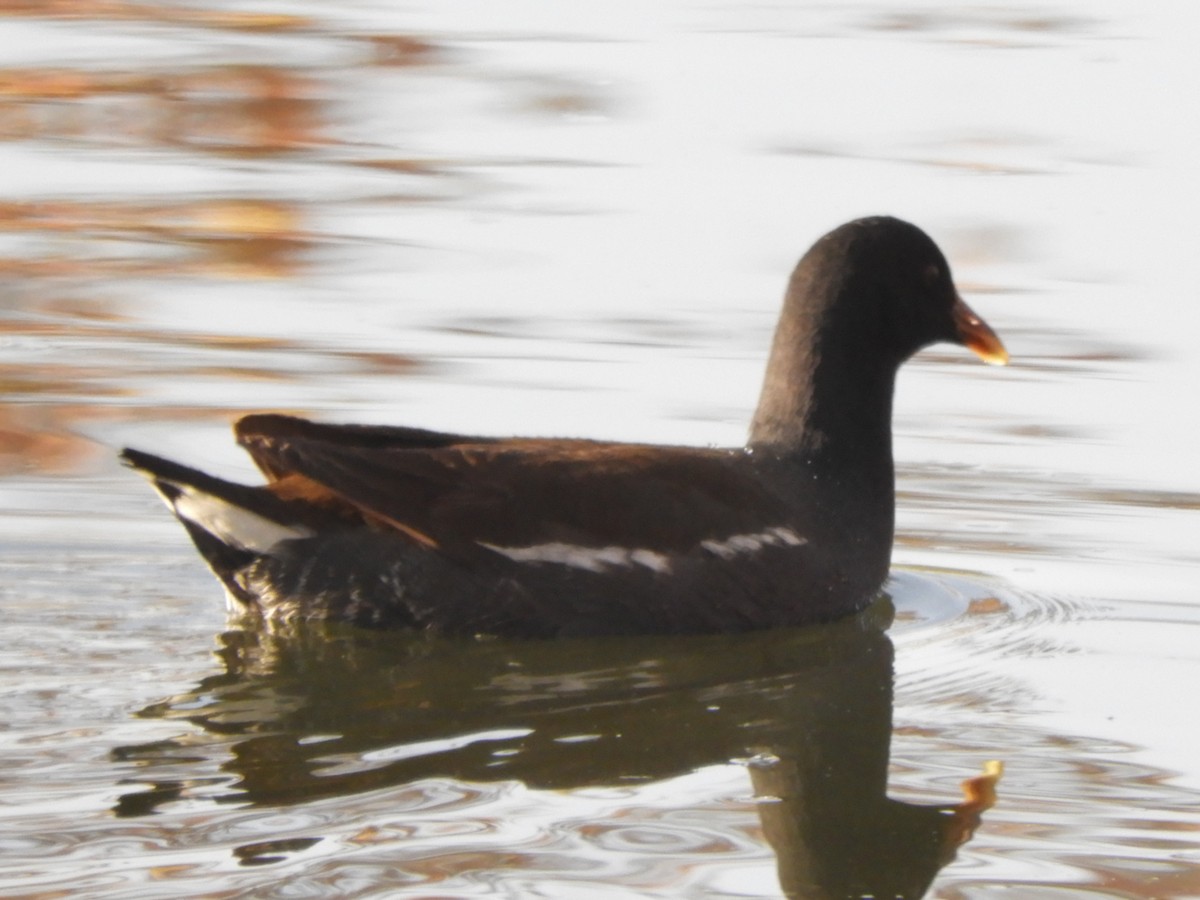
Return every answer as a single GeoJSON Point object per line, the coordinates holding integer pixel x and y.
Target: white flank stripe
{"type": "Point", "coordinates": [735, 545]}
{"type": "Point", "coordinates": [594, 559]}
{"type": "Point", "coordinates": [233, 524]}
{"type": "Point", "coordinates": [651, 560]}
{"type": "Point", "coordinates": [598, 559]}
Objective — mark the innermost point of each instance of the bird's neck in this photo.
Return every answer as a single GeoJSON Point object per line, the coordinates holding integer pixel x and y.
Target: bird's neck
{"type": "Point", "coordinates": [832, 451]}
{"type": "Point", "coordinates": [830, 406]}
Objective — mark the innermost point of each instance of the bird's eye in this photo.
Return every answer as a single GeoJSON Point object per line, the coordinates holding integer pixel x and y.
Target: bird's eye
{"type": "Point", "coordinates": [932, 274]}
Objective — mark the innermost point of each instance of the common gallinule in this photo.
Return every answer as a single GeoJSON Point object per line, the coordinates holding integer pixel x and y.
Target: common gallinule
{"type": "Point", "coordinates": [398, 527]}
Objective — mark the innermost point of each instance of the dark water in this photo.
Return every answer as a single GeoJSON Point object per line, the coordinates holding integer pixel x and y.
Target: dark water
{"type": "Point", "coordinates": [532, 218]}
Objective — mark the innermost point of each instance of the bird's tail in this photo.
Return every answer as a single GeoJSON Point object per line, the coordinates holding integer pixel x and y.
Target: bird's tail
{"type": "Point", "coordinates": [231, 524]}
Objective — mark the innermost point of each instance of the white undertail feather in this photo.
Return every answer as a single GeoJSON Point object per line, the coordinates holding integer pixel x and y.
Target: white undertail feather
{"type": "Point", "coordinates": [232, 524]}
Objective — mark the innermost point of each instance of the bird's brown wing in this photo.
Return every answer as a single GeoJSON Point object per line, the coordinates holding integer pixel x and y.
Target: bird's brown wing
{"type": "Point", "coordinates": [446, 490]}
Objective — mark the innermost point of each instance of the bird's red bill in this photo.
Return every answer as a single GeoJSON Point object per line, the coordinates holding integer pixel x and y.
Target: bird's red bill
{"type": "Point", "coordinates": [977, 336]}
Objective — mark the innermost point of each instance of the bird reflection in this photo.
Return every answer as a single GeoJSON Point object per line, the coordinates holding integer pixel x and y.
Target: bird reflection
{"type": "Point", "coordinates": [334, 712]}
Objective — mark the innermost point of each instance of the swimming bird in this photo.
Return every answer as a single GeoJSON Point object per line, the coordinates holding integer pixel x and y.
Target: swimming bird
{"type": "Point", "coordinates": [397, 527]}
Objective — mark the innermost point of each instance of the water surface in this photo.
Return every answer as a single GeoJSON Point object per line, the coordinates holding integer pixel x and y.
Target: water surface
{"type": "Point", "coordinates": [521, 218]}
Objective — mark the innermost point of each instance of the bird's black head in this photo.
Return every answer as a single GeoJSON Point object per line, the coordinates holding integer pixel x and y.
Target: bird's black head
{"type": "Point", "coordinates": [863, 299]}
{"type": "Point", "coordinates": [880, 288]}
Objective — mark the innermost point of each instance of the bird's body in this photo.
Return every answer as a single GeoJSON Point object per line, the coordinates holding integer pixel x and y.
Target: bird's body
{"type": "Point", "coordinates": [400, 527]}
